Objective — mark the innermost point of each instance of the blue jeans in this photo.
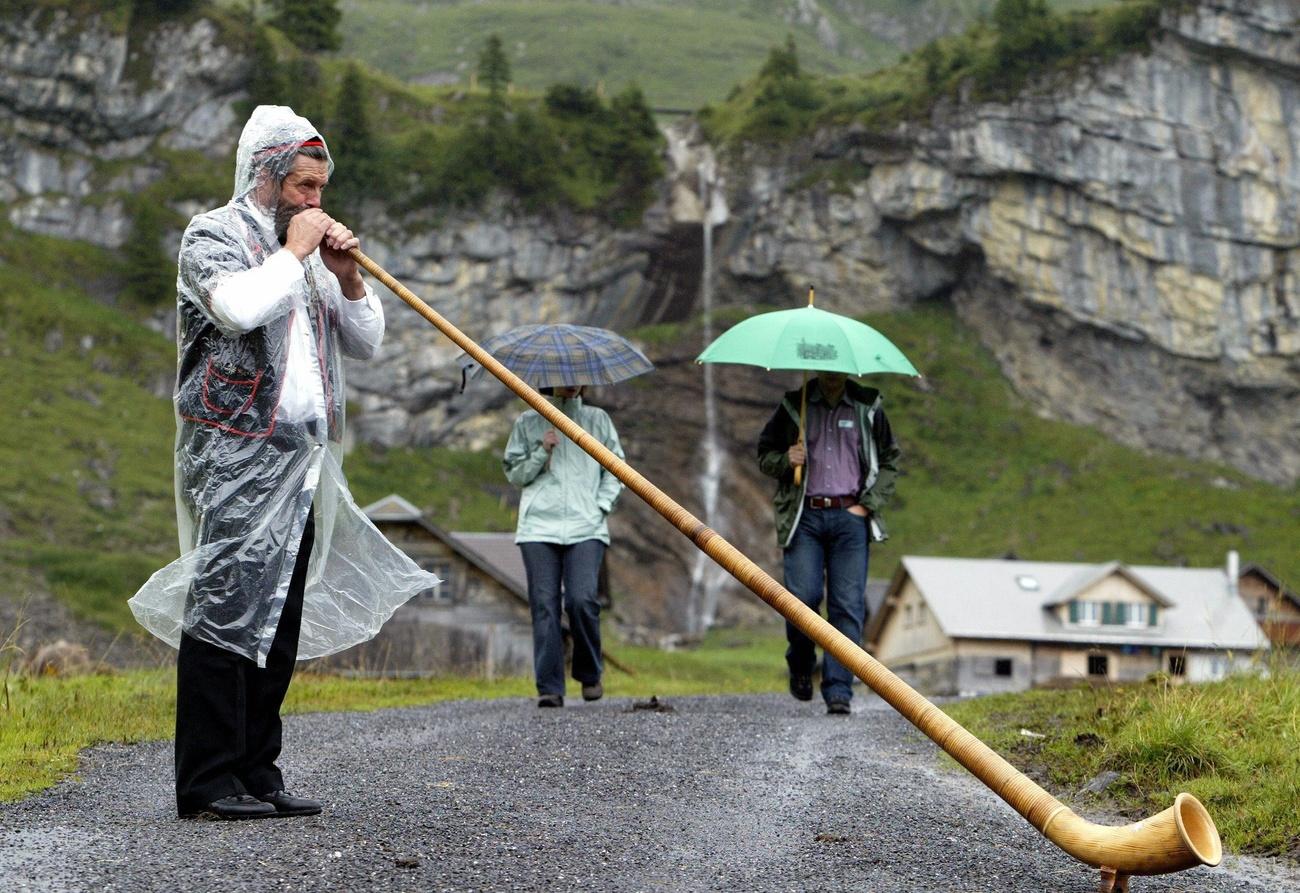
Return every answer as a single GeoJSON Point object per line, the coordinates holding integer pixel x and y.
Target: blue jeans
{"type": "Point", "coordinates": [829, 552]}
{"type": "Point", "coordinates": [568, 571]}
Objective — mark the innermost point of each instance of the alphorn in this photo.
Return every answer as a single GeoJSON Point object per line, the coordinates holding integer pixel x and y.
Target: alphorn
{"type": "Point", "coordinates": [1183, 836]}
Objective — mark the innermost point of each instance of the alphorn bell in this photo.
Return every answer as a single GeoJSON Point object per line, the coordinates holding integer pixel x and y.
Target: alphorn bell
{"type": "Point", "coordinates": [1181, 837]}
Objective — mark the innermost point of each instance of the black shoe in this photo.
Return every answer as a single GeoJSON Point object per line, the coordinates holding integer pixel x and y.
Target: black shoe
{"type": "Point", "coordinates": [287, 804]}
{"type": "Point", "coordinates": [593, 692]}
{"type": "Point", "coordinates": [550, 701]}
{"type": "Point", "coordinates": [838, 708]}
{"type": "Point", "coordinates": [237, 806]}
{"type": "Point", "coordinates": [801, 686]}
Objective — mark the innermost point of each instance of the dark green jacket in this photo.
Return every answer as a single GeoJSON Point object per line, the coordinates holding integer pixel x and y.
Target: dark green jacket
{"type": "Point", "coordinates": [879, 457]}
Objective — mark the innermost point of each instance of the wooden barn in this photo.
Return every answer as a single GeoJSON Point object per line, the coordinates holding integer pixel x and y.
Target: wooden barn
{"type": "Point", "coordinates": [476, 622]}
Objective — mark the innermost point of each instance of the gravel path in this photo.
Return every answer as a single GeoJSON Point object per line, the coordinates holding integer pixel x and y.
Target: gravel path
{"type": "Point", "coordinates": [730, 793]}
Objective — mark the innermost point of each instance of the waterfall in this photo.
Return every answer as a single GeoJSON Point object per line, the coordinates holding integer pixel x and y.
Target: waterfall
{"type": "Point", "coordinates": [706, 576]}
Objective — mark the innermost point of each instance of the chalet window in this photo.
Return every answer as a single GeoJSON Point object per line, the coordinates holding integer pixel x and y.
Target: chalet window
{"type": "Point", "coordinates": [1177, 665]}
{"type": "Point", "coordinates": [1085, 613]}
{"type": "Point", "coordinates": [1002, 666]}
{"type": "Point", "coordinates": [1098, 665]}
{"type": "Point", "coordinates": [1136, 614]}
{"type": "Point", "coordinates": [446, 593]}
{"type": "Point", "coordinates": [1261, 607]}
{"type": "Point", "coordinates": [907, 617]}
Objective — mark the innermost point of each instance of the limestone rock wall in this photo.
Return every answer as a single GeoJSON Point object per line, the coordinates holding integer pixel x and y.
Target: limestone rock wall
{"type": "Point", "coordinates": [1127, 242]}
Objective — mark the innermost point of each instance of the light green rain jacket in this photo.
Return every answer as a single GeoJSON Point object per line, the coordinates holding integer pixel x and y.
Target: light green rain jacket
{"type": "Point", "coordinates": [566, 494]}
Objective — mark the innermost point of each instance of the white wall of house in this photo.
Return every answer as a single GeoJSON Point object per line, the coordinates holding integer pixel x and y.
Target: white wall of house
{"type": "Point", "coordinates": [912, 631]}
{"type": "Point", "coordinates": [1112, 589]}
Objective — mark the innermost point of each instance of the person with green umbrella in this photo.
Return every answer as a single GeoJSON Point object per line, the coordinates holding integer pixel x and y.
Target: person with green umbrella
{"type": "Point", "coordinates": [832, 483]}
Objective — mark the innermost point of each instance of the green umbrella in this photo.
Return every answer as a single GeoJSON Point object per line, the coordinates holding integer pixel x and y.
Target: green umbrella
{"type": "Point", "coordinates": [807, 340]}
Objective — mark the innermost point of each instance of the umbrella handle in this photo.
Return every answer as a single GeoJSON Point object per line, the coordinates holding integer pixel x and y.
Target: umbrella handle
{"type": "Point", "coordinates": [803, 411]}
{"type": "Point", "coordinates": [1137, 848]}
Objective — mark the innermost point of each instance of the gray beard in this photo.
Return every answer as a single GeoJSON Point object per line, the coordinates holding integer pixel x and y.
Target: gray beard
{"type": "Point", "coordinates": [285, 212]}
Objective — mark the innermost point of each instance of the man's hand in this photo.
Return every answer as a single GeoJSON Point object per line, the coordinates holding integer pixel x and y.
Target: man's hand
{"type": "Point", "coordinates": [859, 510]}
{"type": "Point", "coordinates": [334, 248]}
{"type": "Point", "coordinates": [306, 230]}
{"type": "Point", "coordinates": [550, 440]}
{"type": "Point", "coordinates": [796, 455]}
{"type": "Point", "coordinates": [312, 229]}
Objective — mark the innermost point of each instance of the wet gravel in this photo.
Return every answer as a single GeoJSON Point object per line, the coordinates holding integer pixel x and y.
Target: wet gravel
{"type": "Point", "coordinates": [729, 793]}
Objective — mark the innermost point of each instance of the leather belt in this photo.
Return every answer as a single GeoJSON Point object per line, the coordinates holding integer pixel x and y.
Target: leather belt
{"type": "Point", "coordinates": [830, 502]}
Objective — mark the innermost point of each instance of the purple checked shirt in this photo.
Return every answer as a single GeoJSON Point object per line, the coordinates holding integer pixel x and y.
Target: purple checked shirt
{"type": "Point", "coordinates": [834, 449]}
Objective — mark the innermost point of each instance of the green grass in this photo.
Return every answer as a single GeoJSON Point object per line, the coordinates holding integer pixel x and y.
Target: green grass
{"type": "Point", "coordinates": [458, 490]}
{"type": "Point", "coordinates": [1235, 745]}
{"type": "Point", "coordinates": [681, 54]}
{"type": "Point", "coordinates": [984, 475]}
{"type": "Point", "coordinates": [46, 721]}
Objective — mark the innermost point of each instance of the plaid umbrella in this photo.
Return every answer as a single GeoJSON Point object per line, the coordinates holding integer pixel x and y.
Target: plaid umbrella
{"type": "Point", "coordinates": [561, 355]}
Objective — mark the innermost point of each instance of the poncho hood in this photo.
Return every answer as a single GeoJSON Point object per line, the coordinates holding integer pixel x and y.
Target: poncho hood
{"type": "Point", "coordinates": [268, 145]}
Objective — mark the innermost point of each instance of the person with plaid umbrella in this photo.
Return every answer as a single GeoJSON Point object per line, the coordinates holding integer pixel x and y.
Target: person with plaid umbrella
{"type": "Point", "coordinates": [567, 495]}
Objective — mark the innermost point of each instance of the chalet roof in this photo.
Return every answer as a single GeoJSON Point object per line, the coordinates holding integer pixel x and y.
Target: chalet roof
{"type": "Point", "coordinates": [1272, 580]}
{"type": "Point", "coordinates": [394, 509]}
{"type": "Point", "coordinates": [500, 550]}
{"type": "Point", "coordinates": [1089, 575]}
{"type": "Point", "coordinates": [1004, 599]}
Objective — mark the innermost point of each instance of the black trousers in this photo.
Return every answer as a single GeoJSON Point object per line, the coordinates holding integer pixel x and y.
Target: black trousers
{"type": "Point", "coordinates": [228, 729]}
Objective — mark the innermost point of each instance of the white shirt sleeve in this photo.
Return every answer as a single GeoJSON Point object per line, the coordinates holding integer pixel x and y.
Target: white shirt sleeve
{"type": "Point", "coordinates": [361, 325]}
{"type": "Point", "coordinates": [250, 298]}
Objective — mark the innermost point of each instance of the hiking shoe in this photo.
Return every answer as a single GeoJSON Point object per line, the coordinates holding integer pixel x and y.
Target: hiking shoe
{"type": "Point", "coordinates": [801, 686]}
{"type": "Point", "coordinates": [593, 692]}
{"type": "Point", "coordinates": [550, 701]}
{"type": "Point", "coordinates": [838, 708]}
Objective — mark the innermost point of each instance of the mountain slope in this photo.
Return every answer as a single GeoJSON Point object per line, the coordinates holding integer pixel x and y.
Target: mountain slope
{"type": "Point", "coordinates": [683, 54]}
{"type": "Point", "coordinates": [85, 465]}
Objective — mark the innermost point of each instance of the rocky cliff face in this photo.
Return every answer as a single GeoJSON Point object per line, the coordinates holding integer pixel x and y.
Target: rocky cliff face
{"type": "Point", "coordinates": [1125, 241]}
{"type": "Point", "coordinates": [86, 104]}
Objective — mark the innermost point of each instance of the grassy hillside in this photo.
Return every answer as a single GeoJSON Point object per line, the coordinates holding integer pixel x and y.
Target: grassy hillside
{"type": "Point", "coordinates": [682, 54]}
{"type": "Point", "coordinates": [993, 59]}
{"type": "Point", "coordinates": [86, 505]}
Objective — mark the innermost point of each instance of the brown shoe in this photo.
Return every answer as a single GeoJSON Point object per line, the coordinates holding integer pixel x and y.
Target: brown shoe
{"type": "Point", "coordinates": [550, 701]}
{"type": "Point", "coordinates": [593, 692]}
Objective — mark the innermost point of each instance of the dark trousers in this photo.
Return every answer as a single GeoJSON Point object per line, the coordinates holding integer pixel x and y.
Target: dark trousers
{"type": "Point", "coordinates": [228, 728]}
{"type": "Point", "coordinates": [567, 573]}
{"type": "Point", "coordinates": [827, 557]}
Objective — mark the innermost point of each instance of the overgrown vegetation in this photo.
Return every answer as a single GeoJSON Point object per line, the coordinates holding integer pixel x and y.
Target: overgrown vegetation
{"type": "Point", "coordinates": [46, 721]}
{"type": "Point", "coordinates": [1235, 745]}
{"type": "Point", "coordinates": [420, 148]}
{"type": "Point", "coordinates": [1023, 40]}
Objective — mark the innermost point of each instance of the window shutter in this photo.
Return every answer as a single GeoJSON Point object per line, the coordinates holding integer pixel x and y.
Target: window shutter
{"type": "Point", "coordinates": [1107, 613]}
{"type": "Point", "coordinates": [1074, 612]}
{"type": "Point", "coordinates": [1151, 614]}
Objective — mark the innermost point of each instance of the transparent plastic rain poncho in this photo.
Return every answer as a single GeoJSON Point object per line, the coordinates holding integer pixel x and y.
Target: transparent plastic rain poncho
{"type": "Point", "coordinates": [247, 474]}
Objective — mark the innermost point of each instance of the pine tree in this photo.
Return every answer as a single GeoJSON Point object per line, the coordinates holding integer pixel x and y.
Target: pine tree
{"type": "Point", "coordinates": [266, 76]}
{"type": "Point", "coordinates": [494, 68]}
{"type": "Point", "coordinates": [312, 24]}
{"type": "Point", "coordinates": [148, 273]}
{"type": "Point", "coordinates": [353, 145]}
